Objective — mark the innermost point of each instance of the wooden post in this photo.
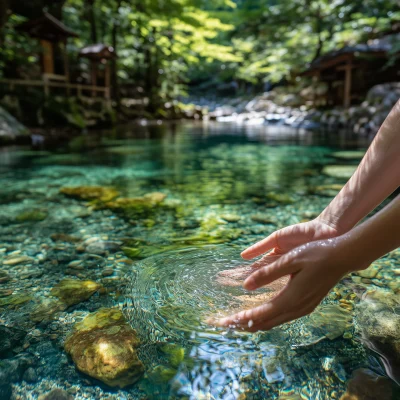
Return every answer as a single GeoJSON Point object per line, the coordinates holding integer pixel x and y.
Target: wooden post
{"type": "Point", "coordinates": [66, 65]}
{"type": "Point", "coordinates": [347, 85]}
{"type": "Point", "coordinates": [107, 77]}
{"type": "Point", "coordinates": [93, 67]}
{"type": "Point", "coordinates": [48, 57]}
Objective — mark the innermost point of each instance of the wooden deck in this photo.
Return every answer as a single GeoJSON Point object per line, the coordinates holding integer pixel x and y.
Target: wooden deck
{"type": "Point", "coordinates": [50, 82]}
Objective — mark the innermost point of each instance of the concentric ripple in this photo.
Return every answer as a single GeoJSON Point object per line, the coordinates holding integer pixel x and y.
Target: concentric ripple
{"type": "Point", "coordinates": [171, 295]}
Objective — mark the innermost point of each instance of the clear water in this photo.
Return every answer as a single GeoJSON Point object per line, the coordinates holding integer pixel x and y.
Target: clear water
{"type": "Point", "coordinates": [226, 187]}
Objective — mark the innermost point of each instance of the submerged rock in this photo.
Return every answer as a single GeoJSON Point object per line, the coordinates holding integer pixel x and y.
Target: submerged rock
{"type": "Point", "coordinates": [17, 259]}
{"type": "Point", "coordinates": [15, 299]}
{"type": "Point", "coordinates": [46, 310]}
{"type": "Point", "coordinates": [174, 353]}
{"type": "Point", "coordinates": [349, 155]}
{"type": "Point", "coordinates": [340, 171]}
{"type": "Point", "coordinates": [9, 338]}
{"type": "Point", "coordinates": [327, 190]}
{"type": "Point", "coordinates": [367, 385]}
{"type": "Point", "coordinates": [280, 198]}
{"type": "Point", "coordinates": [103, 346]}
{"type": "Point", "coordinates": [88, 193]}
{"type": "Point", "coordinates": [73, 291]}
{"type": "Point", "coordinates": [326, 322]}
{"type": "Point", "coordinates": [57, 394]}
{"type": "Point", "coordinates": [31, 216]}
{"type": "Point", "coordinates": [379, 324]}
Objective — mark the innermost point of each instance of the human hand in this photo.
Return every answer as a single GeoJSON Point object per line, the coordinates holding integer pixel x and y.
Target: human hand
{"type": "Point", "coordinates": [314, 268]}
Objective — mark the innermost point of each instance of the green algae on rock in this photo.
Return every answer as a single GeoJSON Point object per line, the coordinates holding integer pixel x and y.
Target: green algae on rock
{"type": "Point", "coordinates": [46, 309]}
{"type": "Point", "coordinates": [73, 291]}
{"type": "Point", "coordinates": [31, 216]}
{"type": "Point", "coordinates": [349, 155]}
{"type": "Point", "coordinates": [174, 353]}
{"type": "Point", "coordinates": [280, 198]}
{"type": "Point", "coordinates": [15, 299]}
{"type": "Point", "coordinates": [326, 190]}
{"type": "Point", "coordinates": [89, 193]}
{"type": "Point", "coordinates": [161, 374]}
{"type": "Point", "coordinates": [103, 346]}
{"type": "Point", "coordinates": [339, 171]}
{"type": "Point", "coordinates": [326, 322]}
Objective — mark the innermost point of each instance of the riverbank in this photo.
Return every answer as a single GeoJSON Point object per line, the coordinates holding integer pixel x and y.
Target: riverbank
{"type": "Point", "coordinates": [277, 109]}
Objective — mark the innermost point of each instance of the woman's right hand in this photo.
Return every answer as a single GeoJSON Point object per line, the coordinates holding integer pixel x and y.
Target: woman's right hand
{"type": "Point", "coordinates": [282, 241]}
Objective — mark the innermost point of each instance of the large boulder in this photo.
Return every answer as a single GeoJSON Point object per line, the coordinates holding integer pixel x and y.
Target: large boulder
{"type": "Point", "coordinates": [103, 346]}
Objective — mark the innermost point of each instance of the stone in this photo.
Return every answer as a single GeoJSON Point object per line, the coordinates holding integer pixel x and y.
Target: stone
{"type": "Point", "coordinates": [10, 338]}
{"type": "Point", "coordinates": [263, 219]}
{"type": "Point", "coordinates": [174, 353]}
{"type": "Point", "coordinates": [31, 216]}
{"type": "Point", "coordinates": [4, 277]}
{"type": "Point", "coordinates": [57, 394]}
{"type": "Point", "coordinates": [102, 247]}
{"type": "Point", "coordinates": [46, 310]}
{"type": "Point", "coordinates": [89, 193]}
{"type": "Point", "coordinates": [367, 385]}
{"type": "Point", "coordinates": [103, 346]}
{"type": "Point", "coordinates": [162, 374]}
{"type": "Point", "coordinates": [74, 291]}
{"type": "Point", "coordinates": [339, 171]}
{"type": "Point", "coordinates": [280, 198]}
{"type": "Point", "coordinates": [327, 190]}
{"type": "Point", "coordinates": [326, 322]}
{"type": "Point", "coordinates": [231, 217]}
{"type": "Point", "coordinates": [63, 237]}
{"type": "Point", "coordinates": [15, 299]}
{"type": "Point", "coordinates": [15, 260]}
{"type": "Point", "coordinates": [30, 375]}
{"type": "Point", "coordinates": [349, 155]}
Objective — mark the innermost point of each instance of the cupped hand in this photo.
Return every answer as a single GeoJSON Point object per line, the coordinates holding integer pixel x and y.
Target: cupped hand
{"type": "Point", "coordinates": [314, 269]}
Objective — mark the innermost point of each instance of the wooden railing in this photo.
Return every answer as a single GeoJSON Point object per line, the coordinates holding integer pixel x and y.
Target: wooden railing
{"type": "Point", "coordinates": [47, 84]}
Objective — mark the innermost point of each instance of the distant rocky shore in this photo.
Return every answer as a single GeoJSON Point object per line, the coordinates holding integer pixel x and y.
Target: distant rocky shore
{"type": "Point", "coordinates": [273, 109]}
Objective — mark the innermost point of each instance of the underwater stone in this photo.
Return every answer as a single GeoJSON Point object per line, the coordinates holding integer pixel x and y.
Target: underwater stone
{"type": "Point", "coordinates": [88, 193]}
{"type": "Point", "coordinates": [349, 155]}
{"type": "Point", "coordinates": [46, 309]}
{"type": "Point", "coordinates": [103, 346]}
{"type": "Point", "coordinates": [175, 354]}
{"type": "Point", "coordinates": [326, 322]}
{"type": "Point", "coordinates": [31, 216]}
{"type": "Point", "coordinates": [340, 171]}
{"type": "Point", "coordinates": [280, 198]}
{"type": "Point", "coordinates": [57, 394]}
{"type": "Point", "coordinates": [231, 217]}
{"type": "Point", "coordinates": [263, 219]}
{"type": "Point", "coordinates": [367, 385]}
{"type": "Point", "coordinates": [327, 190]}
{"type": "Point", "coordinates": [15, 260]}
{"type": "Point", "coordinates": [9, 338]}
{"type": "Point", "coordinates": [161, 374]}
{"type": "Point", "coordinates": [15, 300]}
{"type": "Point", "coordinates": [73, 291]}
{"type": "Point", "coordinates": [4, 277]}
{"type": "Point", "coordinates": [102, 247]}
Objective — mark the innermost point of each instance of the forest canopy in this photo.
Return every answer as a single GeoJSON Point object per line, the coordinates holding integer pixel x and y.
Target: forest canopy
{"type": "Point", "coordinates": [165, 45]}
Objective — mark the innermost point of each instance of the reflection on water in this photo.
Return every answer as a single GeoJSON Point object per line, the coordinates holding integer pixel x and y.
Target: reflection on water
{"type": "Point", "coordinates": [144, 220]}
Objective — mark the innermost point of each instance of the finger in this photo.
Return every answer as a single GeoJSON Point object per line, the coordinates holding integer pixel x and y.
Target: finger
{"type": "Point", "coordinates": [256, 315]}
{"type": "Point", "coordinates": [260, 247]}
{"type": "Point", "coordinates": [270, 273]}
{"type": "Point", "coordinates": [272, 323]}
{"type": "Point", "coordinates": [264, 261]}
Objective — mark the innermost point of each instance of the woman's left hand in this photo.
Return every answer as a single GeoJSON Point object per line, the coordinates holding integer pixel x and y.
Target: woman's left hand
{"type": "Point", "coordinates": [314, 269]}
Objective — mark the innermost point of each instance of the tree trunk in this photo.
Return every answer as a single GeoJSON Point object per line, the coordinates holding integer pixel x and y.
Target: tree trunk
{"type": "Point", "coordinates": [92, 21]}
{"type": "Point", "coordinates": [4, 14]}
{"type": "Point", "coordinates": [114, 66]}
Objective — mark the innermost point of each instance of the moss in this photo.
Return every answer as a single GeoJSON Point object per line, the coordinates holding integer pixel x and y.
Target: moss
{"type": "Point", "coordinates": [73, 291]}
{"type": "Point", "coordinates": [103, 346]}
{"type": "Point", "coordinates": [31, 216]}
{"type": "Point", "coordinates": [15, 300]}
{"type": "Point", "coordinates": [174, 353]}
{"type": "Point", "coordinates": [162, 374]}
{"type": "Point", "coordinates": [99, 193]}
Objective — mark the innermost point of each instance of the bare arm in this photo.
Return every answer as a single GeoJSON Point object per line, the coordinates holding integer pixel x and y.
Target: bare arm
{"type": "Point", "coordinates": [377, 176]}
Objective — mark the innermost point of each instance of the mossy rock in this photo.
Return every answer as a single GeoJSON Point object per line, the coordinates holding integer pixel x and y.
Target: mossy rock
{"type": "Point", "coordinates": [174, 353]}
{"type": "Point", "coordinates": [349, 155]}
{"type": "Point", "coordinates": [327, 190]}
{"type": "Point", "coordinates": [73, 291]}
{"type": "Point", "coordinates": [133, 207]}
{"type": "Point", "coordinates": [89, 193]}
{"type": "Point", "coordinates": [31, 216]}
{"type": "Point", "coordinates": [162, 374]}
{"type": "Point", "coordinates": [280, 198]}
{"type": "Point", "coordinates": [104, 347]}
{"type": "Point", "coordinates": [46, 310]}
{"type": "Point", "coordinates": [15, 300]}
{"type": "Point", "coordinates": [339, 171]}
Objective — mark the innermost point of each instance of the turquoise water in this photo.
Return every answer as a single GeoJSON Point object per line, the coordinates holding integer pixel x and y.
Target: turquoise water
{"type": "Point", "coordinates": [144, 220]}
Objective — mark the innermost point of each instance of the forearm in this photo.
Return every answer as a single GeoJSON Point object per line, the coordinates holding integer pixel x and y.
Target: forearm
{"type": "Point", "coordinates": [375, 237]}
{"type": "Point", "coordinates": [377, 176]}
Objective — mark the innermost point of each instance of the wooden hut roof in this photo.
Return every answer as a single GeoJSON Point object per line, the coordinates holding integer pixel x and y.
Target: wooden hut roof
{"type": "Point", "coordinates": [377, 48]}
{"type": "Point", "coordinates": [47, 27]}
{"type": "Point", "coordinates": [97, 51]}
